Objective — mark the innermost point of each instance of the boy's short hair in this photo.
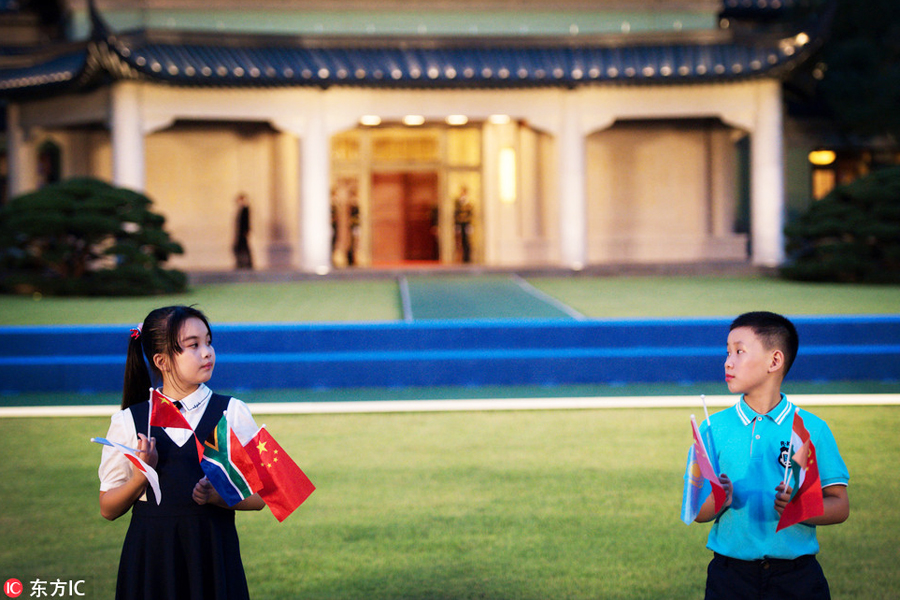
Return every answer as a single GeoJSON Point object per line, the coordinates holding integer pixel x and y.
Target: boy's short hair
{"type": "Point", "coordinates": [775, 331]}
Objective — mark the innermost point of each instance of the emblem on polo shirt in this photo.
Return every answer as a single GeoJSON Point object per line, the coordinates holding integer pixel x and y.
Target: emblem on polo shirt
{"type": "Point", "coordinates": [783, 455]}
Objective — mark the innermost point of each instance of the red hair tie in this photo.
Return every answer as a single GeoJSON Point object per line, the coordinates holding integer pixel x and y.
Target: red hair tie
{"type": "Point", "coordinates": [136, 332]}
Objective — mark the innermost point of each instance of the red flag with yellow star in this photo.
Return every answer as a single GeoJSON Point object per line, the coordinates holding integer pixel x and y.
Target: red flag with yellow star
{"type": "Point", "coordinates": [285, 485]}
{"type": "Point", "coordinates": [164, 413]}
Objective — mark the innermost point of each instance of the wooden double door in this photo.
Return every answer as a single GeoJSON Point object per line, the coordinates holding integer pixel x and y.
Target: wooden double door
{"type": "Point", "coordinates": [405, 217]}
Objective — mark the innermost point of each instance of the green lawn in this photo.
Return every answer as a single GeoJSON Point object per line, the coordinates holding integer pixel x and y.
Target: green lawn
{"type": "Point", "coordinates": [506, 505]}
{"type": "Point", "coordinates": [379, 300]}
{"type": "Point", "coordinates": [371, 300]}
{"type": "Point", "coordinates": [711, 296]}
{"type": "Point", "coordinates": [499, 505]}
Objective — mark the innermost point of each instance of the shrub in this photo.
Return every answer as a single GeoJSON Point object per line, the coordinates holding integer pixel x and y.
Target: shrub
{"type": "Point", "coordinates": [851, 235]}
{"type": "Point", "coordinates": [85, 237]}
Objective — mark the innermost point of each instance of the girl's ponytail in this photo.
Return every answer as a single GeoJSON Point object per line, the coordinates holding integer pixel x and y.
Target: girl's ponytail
{"type": "Point", "coordinates": [137, 376]}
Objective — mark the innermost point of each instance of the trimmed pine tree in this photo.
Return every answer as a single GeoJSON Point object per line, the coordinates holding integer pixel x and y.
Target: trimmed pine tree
{"type": "Point", "coordinates": [85, 237]}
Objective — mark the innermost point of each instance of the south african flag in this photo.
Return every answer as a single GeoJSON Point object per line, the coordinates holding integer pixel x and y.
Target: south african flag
{"type": "Point", "coordinates": [227, 466]}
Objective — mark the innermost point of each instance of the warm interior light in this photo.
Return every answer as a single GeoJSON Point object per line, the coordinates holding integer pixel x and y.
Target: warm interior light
{"type": "Point", "coordinates": [370, 120]}
{"type": "Point", "coordinates": [507, 175]}
{"type": "Point", "coordinates": [457, 120]}
{"type": "Point", "coordinates": [413, 120]}
{"type": "Point", "coordinates": [499, 119]}
{"type": "Point", "coordinates": [822, 158]}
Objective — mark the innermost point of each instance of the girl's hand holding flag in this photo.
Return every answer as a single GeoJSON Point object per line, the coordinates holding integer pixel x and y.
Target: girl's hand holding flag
{"type": "Point", "coordinates": [146, 450]}
{"type": "Point", "coordinates": [205, 493]}
{"type": "Point", "coordinates": [143, 459]}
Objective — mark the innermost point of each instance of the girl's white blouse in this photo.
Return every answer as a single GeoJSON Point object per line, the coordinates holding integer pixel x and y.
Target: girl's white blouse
{"type": "Point", "coordinates": [115, 469]}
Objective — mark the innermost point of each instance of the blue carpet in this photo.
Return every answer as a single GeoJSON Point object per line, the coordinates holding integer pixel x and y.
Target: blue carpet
{"type": "Point", "coordinates": [487, 297]}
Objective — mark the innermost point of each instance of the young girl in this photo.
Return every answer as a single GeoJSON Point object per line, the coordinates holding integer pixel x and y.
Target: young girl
{"type": "Point", "coordinates": [186, 547]}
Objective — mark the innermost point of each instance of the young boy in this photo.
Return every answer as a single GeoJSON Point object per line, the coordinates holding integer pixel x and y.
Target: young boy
{"type": "Point", "coordinates": [751, 442]}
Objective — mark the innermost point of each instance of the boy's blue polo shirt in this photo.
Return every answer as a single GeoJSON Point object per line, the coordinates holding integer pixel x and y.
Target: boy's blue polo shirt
{"type": "Point", "coordinates": [751, 450]}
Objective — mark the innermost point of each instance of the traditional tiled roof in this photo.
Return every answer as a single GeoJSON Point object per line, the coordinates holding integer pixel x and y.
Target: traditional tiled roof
{"type": "Point", "coordinates": [442, 63]}
{"type": "Point", "coordinates": [45, 73]}
{"type": "Point", "coordinates": [190, 59]}
{"type": "Point", "coordinates": [755, 9]}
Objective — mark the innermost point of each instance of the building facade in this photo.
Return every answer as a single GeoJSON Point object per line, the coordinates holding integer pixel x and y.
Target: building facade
{"type": "Point", "coordinates": [490, 132]}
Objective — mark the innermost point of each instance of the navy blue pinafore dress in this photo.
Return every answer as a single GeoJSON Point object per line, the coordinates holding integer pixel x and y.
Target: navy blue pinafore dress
{"type": "Point", "coordinates": [179, 550]}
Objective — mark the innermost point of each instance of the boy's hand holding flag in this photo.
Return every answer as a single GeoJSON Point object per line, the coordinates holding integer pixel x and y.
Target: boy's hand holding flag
{"type": "Point", "coordinates": [806, 498]}
{"type": "Point", "coordinates": [698, 477]}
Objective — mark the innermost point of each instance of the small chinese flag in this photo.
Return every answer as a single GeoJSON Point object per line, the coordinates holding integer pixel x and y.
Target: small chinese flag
{"type": "Point", "coordinates": [806, 499]}
{"type": "Point", "coordinates": [163, 412]}
{"type": "Point", "coordinates": [285, 486]}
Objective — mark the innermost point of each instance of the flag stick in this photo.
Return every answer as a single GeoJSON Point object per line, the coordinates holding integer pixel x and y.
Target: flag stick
{"type": "Point", "coordinates": [150, 413]}
{"type": "Point", "coordinates": [787, 463]}
{"type": "Point", "coordinates": [705, 447]}
{"type": "Point", "coordinates": [710, 442]}
{"type": "Point", "coordinates": [693, 425]}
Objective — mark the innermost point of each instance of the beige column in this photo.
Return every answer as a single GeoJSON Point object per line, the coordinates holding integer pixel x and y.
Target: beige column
{"type": "Point", "coordinates": [283, 209]}
{"type": "Point", "coordinates": [572, 192]}
{"type": "Point", "coordinates": [313, 183]}
{"type": "Point", "coordinates": [315, 217]}
{"type": "Point", "coordinates": [21, 154]}
{"type": "Point", "coordinates": [767, 178]}
{"type": "Point", "coordinates": [127, 135]}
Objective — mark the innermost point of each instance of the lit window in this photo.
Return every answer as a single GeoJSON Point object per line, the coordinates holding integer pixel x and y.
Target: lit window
{"type": "Point", "coordinates": [507, 175]}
